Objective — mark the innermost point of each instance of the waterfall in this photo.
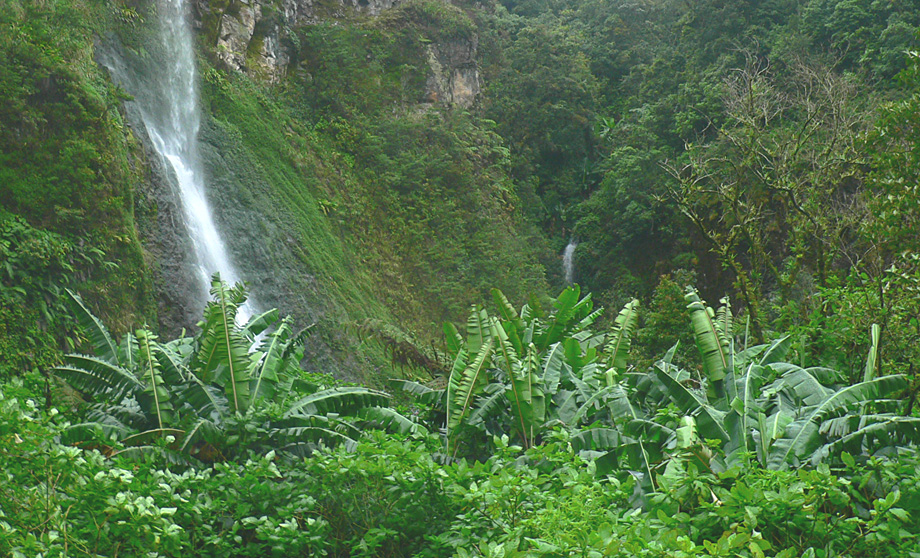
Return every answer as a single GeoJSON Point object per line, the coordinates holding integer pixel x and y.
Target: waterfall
{"type": "Point", "coordinates": [568, 262]}
{"type": "Point", "coordinates": [165, 92]}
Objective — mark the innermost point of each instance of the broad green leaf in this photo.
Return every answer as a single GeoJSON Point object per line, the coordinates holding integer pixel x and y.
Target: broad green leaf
{"type": "Point", "coordinates": [872, 360]}
{"type": "Point", "coordinates": [777, 351]}
{"type": "Point", "coordinates": [424, 394]}
{"type": "Point", "coordinates": [98, 377]}
{"type": "Point", "coordinates": [553, 366]}
{"type": "Point", "coordinates": [388, 419]}
{"type": "Point", "coordinates": [803, 436]}
{"type": "Point", "coordinates": [712, 345]}
{"type": "Point", "coordinates": [709, 420]}
{"type": "Point", "coordinates": [621, 335]}
{"type": "Point", "coordinates": [156, 392]}
{"type": "Point", "coordinates": [95, 330]}
{"type": "Point", "coordinates": [453, 339]}
{"type": "Point", "coordinates": [344, 401]}
{"type": "Point", "coordinates": [223, 355]}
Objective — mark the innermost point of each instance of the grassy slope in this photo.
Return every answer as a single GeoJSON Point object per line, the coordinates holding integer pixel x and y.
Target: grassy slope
{"type": "Point", "coordinates": [394, 212]}
{"type": "Point", "coordinates": [349, 199]}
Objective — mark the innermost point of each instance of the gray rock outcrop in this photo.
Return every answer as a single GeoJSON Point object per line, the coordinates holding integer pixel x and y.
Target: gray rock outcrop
{"type": "Point", "coordinates": [251, 38]}
{"type": "Point", "coordinates": [454, 77]}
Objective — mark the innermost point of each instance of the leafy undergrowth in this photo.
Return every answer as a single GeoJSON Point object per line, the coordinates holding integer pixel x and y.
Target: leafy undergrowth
{"type": "Point", "coordinates": [393, 497]}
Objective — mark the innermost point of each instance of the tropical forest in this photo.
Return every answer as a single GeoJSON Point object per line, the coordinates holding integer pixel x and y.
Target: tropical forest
{"type": "Point", "coordinates": [460, 278]}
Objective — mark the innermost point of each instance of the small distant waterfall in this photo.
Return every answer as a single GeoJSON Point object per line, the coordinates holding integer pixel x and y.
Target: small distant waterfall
{"type": "Point", "coordinates": [166, 95]}
{"type": "Point", "coordinates": [568, 262]}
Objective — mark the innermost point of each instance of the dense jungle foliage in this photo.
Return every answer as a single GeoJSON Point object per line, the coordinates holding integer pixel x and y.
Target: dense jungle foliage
{"type": "Point", "coordinates": [762, 154]}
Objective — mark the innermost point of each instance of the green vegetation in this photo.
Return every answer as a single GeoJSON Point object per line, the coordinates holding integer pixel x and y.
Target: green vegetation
{"type": "Point", "coordinates": [229, 390]}
{"type": "Point", "coordinates": [68, 172]}
{"type": "Point", "coordinates": [392, 170]}
{"type": "Point", "coordinates": [664, 468]}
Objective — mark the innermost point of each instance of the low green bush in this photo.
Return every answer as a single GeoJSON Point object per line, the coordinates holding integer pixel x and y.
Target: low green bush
{"type": "Point", "coordinates": [392, 496]}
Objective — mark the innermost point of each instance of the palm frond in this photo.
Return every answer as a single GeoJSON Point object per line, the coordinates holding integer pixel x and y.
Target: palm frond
{"type": "Point", "coordinates": [98, 377]}
{"type": "Point", "coordinates": [621, 336]}
{"type": "Point", "coordinates": [103, 345]}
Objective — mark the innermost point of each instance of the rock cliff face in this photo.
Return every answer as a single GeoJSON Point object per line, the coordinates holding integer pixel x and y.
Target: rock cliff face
{"type": "Point", "coordinates": [454, 75]}
{"type": "Point", "coordinates": [252, 36]}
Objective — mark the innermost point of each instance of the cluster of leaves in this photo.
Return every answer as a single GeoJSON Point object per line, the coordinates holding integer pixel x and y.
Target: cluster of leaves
{"type": "Point", "coordinates": [389, 498]}
{"type": "Point", "coordinates": [522, 374]}
{"type": "Point", "coordinates": [577, 453]}
{"type": "Point", "coordinates": [227, 391]}
{"type": "Point", "coordinates": [37, 266]}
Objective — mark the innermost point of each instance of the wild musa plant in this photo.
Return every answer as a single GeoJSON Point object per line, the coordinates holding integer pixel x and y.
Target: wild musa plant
{"type": "Point", "coordinates": [751, 407]}
{"type": "Point", "coordinates": [229, 388]}
{"type": "Point", "coordinates": [521, 373]}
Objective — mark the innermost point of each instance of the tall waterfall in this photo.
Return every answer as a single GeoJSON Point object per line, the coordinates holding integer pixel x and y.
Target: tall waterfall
{"type": "Point", "coordinates": [166, 94]}
{"type": "Point", "coordinates": [568, 262]}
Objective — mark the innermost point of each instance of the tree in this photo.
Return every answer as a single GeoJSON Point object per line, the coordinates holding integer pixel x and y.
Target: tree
{"type": "Point", "coordinates": [776, 194]}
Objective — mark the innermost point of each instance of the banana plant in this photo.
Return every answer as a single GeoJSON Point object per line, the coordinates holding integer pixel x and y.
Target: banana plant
{"type": "Point", "coordinates": [752, 403]}
{"type": "Point", "coordinates": [226, 390]}
{"type": "Point", "coordinates": [519, 373]}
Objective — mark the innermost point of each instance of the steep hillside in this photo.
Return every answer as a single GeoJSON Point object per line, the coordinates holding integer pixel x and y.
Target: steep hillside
{"type": "Point", "coordinates": [348, 179]}
{"type": "Point", "coordinates": [69, 172]}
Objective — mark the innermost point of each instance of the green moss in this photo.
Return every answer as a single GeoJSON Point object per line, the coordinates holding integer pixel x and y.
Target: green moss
{"type": "Point", "coordinates": [403, 216]}
{"type": "Point", "coordinates": [68, 167]}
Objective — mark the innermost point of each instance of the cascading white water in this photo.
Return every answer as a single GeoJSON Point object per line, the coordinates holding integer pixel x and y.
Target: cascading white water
{"type": "Point", "coordinates": [166, 95]}
{"type": "Point", "coordinates": [568, 262]}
